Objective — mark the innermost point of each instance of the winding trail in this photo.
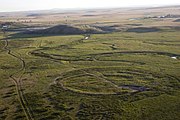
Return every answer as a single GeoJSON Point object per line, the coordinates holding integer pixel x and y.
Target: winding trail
{"type": "Point", "coordinates": [39, 53]}
{"type": "Point", "coordinates": [95, 57]}
{"type": "Point", "coordinates": [18, 80]}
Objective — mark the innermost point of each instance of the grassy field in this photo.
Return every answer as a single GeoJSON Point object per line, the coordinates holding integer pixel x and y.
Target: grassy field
{"type": "Point", "coordinates": [115, 76]}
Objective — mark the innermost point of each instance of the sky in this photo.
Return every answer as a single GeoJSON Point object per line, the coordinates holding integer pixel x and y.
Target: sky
{"type": "Point", "coordinates": [25, 5]}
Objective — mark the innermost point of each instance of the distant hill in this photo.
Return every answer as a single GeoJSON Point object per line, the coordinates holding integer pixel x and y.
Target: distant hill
{"type": "Point", "coordinates": [68, 30]}
{"type": "Point", "coordinates": [143, 29]}
{"type": "Point", "coordinates": [177, 20]}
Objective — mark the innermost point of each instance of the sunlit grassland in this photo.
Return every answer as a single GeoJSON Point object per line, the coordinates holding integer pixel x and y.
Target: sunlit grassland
{"type": "Point", "coordinates": [67, 77]}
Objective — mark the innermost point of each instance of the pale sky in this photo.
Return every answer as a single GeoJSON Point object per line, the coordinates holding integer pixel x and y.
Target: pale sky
{"type": "Point", "coordinates": [24, 5]}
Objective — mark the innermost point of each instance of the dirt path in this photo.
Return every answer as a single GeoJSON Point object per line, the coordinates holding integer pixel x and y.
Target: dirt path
{"type": "Point", "coordinates": [17, 80]}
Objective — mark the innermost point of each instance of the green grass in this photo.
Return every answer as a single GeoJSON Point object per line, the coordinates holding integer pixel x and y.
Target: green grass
{"type": "Point", "coordinates": [69, 78]}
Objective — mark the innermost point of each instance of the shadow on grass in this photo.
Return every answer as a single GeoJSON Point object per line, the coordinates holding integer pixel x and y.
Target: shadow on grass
{"type": "Point", "coordinates": [144, 29]}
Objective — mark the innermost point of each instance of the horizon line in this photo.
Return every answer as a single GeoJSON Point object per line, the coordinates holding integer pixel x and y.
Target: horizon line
{"type": "Point", "coordinates": [90, 8]}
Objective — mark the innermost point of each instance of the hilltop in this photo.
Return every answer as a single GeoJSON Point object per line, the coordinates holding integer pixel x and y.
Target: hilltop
{"type": "Point", "coordinates": [68, 30]}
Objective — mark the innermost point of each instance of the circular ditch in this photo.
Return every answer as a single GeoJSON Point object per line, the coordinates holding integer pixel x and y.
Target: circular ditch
{"type": "Point", "coordinates": [113, 80]}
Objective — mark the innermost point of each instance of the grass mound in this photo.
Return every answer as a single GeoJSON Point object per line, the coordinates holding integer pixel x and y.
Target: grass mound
{"type": "Point", "coordinates": [68, 30]}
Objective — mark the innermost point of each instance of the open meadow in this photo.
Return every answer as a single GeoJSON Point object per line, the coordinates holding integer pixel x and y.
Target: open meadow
{"type": "Point", "coordinates": [117, 64]}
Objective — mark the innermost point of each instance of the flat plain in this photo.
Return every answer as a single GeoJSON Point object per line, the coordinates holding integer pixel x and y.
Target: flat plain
{"type": "Point", "coordinates": [104, 64]}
